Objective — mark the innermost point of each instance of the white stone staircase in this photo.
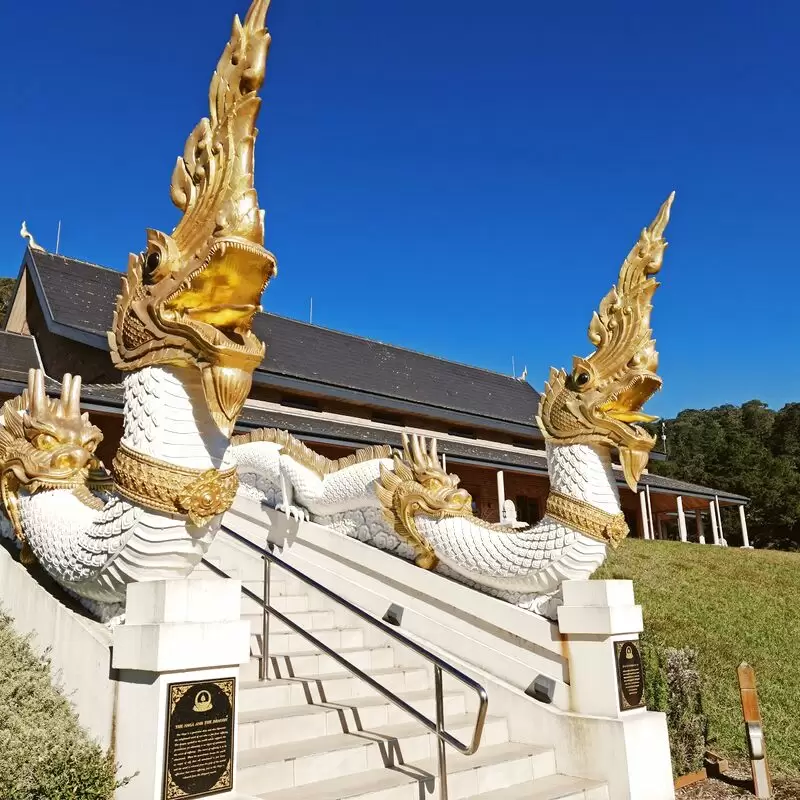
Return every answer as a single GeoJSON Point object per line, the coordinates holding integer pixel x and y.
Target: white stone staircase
{"type": "Point", "coordinates": [316, 732]}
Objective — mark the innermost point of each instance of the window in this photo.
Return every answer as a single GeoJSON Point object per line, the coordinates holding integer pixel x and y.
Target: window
{"type": "Point", "coordinates": [465, 433]}
{"type": "Point", "coordinates": [387, 418]}
{"type": "Point", "coordinates": [527, 509]}
{"type": "Point", "coordinates": [476, 504]}
{"type": "Point", "coordinates": [298, 401]}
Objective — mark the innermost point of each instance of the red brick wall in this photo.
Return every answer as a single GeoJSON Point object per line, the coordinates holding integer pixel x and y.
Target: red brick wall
{"type": "Point", "coordinates": [481, 483]}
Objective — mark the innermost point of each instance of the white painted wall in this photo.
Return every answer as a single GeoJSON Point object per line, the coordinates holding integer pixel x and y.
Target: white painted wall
{"type": "Point", "coordinates": [79, 647]}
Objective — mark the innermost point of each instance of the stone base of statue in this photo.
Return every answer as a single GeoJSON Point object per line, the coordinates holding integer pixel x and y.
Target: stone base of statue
{"type": "Point", "coordinates": [601, 623]}
{"type": "Point", "coordinates": [177, 659]}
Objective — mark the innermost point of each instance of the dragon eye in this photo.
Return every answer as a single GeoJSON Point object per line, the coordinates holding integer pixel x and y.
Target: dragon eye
{"type": "Point", "coordinates": [151, 264]}
{"type": "Point", "coordinates": [44, 441]}
{"type": "Point", "coordinates": [582, 378]}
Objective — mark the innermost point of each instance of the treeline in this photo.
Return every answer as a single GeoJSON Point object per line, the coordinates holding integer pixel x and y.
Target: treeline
{"type": "Point", "coordinates": [749, 450]}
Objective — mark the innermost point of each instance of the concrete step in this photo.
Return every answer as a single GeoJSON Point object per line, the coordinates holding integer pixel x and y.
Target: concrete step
{"type": "Point", "coordinates": [284, 766]}
{"type": "Point", "coordinates": [288, 604]}
{"type": "Point", "coordinates": [288, 643]}
{"type": "Point", "coordinates": [279, 693]}
{"type": "Point", "coordinates": [270, 726]}
{"type": "Point", "coordinates": [551, 787]}
{"type": "Point", "coordinates": [492, 767]}
{"type": "Point", "coordinates": [308, 663]}
{"type": "Point", "coordinates": [308, 620]}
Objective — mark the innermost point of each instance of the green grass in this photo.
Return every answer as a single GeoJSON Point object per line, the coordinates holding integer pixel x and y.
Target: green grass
{"type": "Point", "coordinates": [730, 605]}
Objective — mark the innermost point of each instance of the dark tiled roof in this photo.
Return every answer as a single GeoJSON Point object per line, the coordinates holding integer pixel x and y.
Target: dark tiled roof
{"type": "Point", "coordinates": [321, 428]}
{"type": "Point", "coordinates": [17, 355]}
{"type": "Point", "coordinates": [682, 487]}
{"type": "Point", "coordinates": [82, 296]}
{"type": "Point", "coordinates": [79, 295]}
{"type": "Point", "coordinates": [299, 350]}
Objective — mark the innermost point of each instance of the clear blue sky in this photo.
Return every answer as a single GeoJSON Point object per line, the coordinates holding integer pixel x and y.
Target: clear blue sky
{"type": "Point", "coordinates": [458, 177]}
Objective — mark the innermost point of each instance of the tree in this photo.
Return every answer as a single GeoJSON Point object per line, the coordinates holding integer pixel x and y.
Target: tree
{"type": "Point", "coordinates": [7, 286]}
{"type": "Point", "coordinates": [749, 450]}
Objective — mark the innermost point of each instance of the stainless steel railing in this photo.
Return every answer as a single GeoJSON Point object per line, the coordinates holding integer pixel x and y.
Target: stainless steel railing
{"type": "Point", "coordinates": [440, 667]}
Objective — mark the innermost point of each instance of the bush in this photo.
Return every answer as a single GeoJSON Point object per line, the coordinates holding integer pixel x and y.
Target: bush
{"type": "Point", "coordinates": [673, 685]}
{"type": "Point", "coordinates": [44, 752]}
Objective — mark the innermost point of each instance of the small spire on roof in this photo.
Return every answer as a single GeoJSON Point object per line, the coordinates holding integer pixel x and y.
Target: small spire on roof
{"type": "Point", "coordinates": [28, 236]}
{"type": "Point", "coordinates": [524, 375]}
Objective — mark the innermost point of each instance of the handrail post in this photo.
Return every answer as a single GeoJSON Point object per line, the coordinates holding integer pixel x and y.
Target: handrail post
{"type": "Point", "coordinates": [263, 667]}
{"type": "Point", "coordinates": [437, 672]}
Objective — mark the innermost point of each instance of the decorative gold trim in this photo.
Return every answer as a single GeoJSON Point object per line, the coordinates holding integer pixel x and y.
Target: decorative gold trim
{"type": "Point", "coordinates": [198, 494]}
{"type": "Point", "coordinates": [304, 455]}
{"type": "Point", "coordinates": [586, 518]}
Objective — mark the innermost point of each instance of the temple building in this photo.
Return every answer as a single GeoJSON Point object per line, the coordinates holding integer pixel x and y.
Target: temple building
{"type": "Point", "coordinates": [339, 392]}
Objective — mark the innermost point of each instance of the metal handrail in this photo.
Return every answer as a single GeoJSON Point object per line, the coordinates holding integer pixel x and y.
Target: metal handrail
{"type": "Point", "coordinates": [439, 665]}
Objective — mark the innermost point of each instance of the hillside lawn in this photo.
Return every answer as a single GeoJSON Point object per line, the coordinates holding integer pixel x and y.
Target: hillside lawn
{"type": "Point", "coordinates": [731, 605]}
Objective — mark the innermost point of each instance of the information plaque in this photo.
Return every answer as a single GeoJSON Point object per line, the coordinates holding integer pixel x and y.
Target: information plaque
{"type": "Point", "coordinates": [198, 759]}
{"type": "Point", "coordinates": [630, 675]}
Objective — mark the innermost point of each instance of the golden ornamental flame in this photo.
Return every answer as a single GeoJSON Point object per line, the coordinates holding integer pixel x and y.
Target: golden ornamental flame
{"type": "Point", "coordinates": [190, 297]}
{"type": "Point", "coordinates": [601, 401]}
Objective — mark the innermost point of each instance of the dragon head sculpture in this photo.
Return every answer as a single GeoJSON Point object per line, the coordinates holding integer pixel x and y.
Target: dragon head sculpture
{"type": "Point", "coordinates": [419, 485]}
{"type": "Point", "coordinates": [190, 297]}
{"type": "Point", "coordinates": [47, 443]}
{"type": "Point", "coordinates": [601, 401]}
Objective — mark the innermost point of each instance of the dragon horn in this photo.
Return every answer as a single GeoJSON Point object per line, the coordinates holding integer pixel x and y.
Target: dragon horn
{"type": "Point", "coordinates": [417, 448]}
{"type": "Point", "coordinates": [434, 453]}
{"type": "Point", "coordinates": [38, 399]}
{"type": "Point", "coordinates": [659, 224]}
{"type": "Point", "coordinates": [73, 408]}
{"type": "Point", "coordinates": [406, 447]}
{"type": "Point", "coordinates": [256, 15]}
{"type": "Point", "coordinates": [62, 408]}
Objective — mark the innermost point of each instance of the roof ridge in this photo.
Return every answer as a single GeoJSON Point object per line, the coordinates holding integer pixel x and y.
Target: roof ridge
{"type": "Point", "coordinates": [402, 348]}
{"type": "Point", "coordinates": [79, 261]}
{"type": "Point", "coordinates": [15, 333]}
{"type": "Point", "coordinates": [399, 347]}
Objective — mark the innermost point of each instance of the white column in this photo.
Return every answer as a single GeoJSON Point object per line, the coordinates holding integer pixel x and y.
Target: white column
{"type": "Point", "coordinates": [650, 512]}
{"type": "Point", "coordinates": [719, 520]}
{"type": "Point", "coordinates": [712, 510]}
{"type": "Point", "coordinates": [501, 494]}
{"type": "Point", "coordinates": [745, 537]}
{"type": "Point", "coordinates": [645, 520]}
{"type": "Point", "coordinates": [681, 520]}
{"type": "Point", "coordinates": [187, 632]}
{"type": "Point", "coordinates": [594, 617]}
{"type": "Point", "coordinates": [698, 524]}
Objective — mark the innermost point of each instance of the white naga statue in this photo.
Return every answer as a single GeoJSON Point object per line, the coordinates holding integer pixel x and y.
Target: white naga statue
{"type": "Point", "coordinates": [407, 504]}
{"type": "Point", "coordinates": [182, 334]}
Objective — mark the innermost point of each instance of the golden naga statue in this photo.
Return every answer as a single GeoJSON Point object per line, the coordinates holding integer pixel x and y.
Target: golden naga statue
{"type": "Point", "coordinates": [182, 334]}
{"type": "Point", "coordinates": [423, 515]}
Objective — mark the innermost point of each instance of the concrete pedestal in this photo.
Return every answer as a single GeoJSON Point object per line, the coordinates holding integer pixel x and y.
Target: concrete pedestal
{"type": "Point", "coordinates": [594, 617]}
{"type": "Point", "coordinates": [175, 631]}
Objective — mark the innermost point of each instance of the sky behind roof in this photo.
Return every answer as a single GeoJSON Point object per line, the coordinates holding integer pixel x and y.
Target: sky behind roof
{"type": "Point", "coordinates": [457, 177]}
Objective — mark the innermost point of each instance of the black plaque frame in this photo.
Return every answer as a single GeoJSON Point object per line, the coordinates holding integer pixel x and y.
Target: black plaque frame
{"type": "Point", "coordinates": [630, 675]}
{"type": "Point", "coordinates": [176, 692]}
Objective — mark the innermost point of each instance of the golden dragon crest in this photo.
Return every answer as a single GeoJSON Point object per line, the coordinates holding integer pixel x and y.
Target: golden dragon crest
{"type": "Point", "coordinates": [419, 485]}
{"type": "Point", "coordinates": [190, 297]}
{"type": "Point", "coordinates": [47, 443]}
{"type": "Point", "coordinates": [600, 402]}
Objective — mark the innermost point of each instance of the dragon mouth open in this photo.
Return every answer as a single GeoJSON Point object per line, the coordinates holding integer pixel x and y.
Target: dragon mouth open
{"type": "Point", "coordinates": [625, 404]}
{"type": "Point", "coordinates": [220, 298]}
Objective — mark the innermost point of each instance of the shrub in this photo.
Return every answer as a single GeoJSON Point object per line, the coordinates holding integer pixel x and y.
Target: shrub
{"type": "Point", "coordinates": [673, 685]}
{"type": "Point", "coordinates": [44, 752]}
